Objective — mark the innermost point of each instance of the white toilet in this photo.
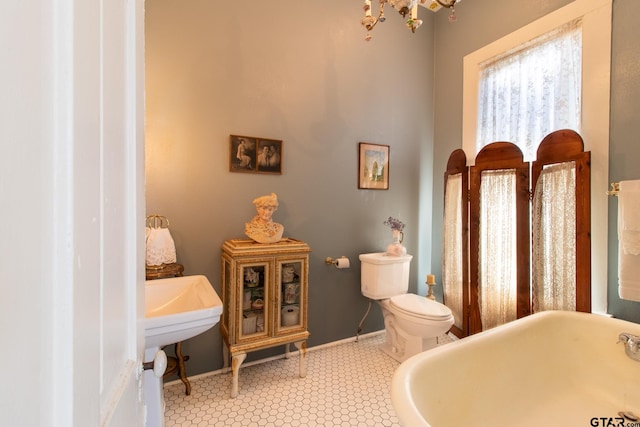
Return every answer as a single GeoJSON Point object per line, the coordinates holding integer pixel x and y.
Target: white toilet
{"type": "Point", "coordinates": [412, 322]}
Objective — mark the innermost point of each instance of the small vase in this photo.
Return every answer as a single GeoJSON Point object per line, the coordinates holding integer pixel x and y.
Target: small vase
{"type": "Point", "coordinates": [396, 248]}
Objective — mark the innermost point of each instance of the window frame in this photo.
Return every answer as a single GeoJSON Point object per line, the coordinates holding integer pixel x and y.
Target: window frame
{"type": "Point", "coordinates": [596, 77]}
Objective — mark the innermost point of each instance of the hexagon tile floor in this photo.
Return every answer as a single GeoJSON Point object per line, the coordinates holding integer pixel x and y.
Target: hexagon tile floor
{"type": "Point", "coordinates": [347, 384]}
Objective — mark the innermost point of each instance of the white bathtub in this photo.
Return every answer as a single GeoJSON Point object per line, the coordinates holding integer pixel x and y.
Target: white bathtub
{"type": "Point", "coordinates": [552, 368]}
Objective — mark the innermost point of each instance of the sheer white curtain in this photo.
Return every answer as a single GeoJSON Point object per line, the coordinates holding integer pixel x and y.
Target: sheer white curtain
{"type": "Point", "coordinates": [452, 248]}
{"type": "Point", "coordinates": [554, 239]}
{"type": "Point", "coordinates": [532, 90]}
{"type": "Point", "coordinates": [498, 251]}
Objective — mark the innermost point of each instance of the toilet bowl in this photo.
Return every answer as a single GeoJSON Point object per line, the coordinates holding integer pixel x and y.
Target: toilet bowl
{"type": "Point", "coordinates": [412, 322]}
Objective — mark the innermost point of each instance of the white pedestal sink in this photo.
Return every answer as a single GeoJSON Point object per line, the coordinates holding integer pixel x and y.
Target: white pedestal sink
{"type": "Point", "coordinates": [176, 309]}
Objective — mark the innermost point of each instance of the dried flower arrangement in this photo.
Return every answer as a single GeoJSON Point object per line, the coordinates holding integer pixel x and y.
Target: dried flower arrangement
{"type": "Point", "coordinates": [394, 223]}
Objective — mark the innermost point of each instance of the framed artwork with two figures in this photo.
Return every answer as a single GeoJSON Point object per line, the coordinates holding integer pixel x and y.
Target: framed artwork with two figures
{"type": "Point", "coordinates": [255, 155]}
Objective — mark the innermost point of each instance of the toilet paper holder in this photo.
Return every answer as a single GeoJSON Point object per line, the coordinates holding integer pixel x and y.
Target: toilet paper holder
{"type": "Point", "coordinates": [342, 262]}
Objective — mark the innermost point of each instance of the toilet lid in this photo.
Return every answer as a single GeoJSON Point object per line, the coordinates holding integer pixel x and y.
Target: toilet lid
{"type": "Point", "coordinates": [419, 306]}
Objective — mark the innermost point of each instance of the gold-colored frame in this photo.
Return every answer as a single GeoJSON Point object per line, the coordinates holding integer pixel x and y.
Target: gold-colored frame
{"type": "Point", "coordinates": [255, 155]}
{"type": "Point", "coordinates": [373, 166]}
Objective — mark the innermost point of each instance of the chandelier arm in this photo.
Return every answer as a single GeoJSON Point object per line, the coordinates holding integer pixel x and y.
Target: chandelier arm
{"type": "Point", "coordinates": [447, 5]}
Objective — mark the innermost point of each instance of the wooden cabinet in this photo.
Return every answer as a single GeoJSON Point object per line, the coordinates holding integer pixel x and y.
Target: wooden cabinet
{"type": "Point", "coordinates": [264, 292]}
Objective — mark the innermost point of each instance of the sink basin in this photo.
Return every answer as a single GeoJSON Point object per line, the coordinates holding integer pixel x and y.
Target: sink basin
{"type": "Point", "coordinates": [179, 308]}
{"type": "Point", "coordinates": [176, 309]}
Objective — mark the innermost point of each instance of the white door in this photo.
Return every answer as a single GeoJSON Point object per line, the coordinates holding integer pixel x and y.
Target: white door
{"type": "Point", "coordinates": [122, 206]}
{"type": "Point", "coordinates": [72, 186]}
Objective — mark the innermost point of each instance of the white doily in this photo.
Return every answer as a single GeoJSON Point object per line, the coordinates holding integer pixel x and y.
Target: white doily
{"type": "Point", "coordinates": [160, 246]}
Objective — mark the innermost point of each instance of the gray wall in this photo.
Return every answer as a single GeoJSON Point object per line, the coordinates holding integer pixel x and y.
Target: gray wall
{"type": "Point", "coordinates": [624, 149]}
{"type": "Point", "coordinates": [488, 21]}
{"type": "Point", "coordinates": [306, 76]}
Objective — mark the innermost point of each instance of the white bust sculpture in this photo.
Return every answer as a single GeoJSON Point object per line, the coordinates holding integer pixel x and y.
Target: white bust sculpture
{"type": "Point", "coordinates": [261, 228]}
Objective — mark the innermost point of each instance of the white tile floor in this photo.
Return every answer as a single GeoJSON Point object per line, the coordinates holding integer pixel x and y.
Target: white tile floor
{"type": "Point", "coordinates": [347, 384]}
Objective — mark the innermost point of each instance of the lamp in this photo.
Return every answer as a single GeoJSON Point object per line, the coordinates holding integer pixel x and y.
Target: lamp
{"type": "Point", "coordinates": [404, 8]}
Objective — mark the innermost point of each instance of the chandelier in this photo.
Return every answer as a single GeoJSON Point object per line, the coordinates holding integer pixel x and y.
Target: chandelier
{"type": "Point", "coordinates": [404, 8]}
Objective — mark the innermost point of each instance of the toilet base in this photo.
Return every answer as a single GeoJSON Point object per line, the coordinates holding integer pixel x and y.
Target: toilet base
{"type": "Point", "coordinates": [400, 343]}
{"type": "Point", "coordinates": [402, 348]}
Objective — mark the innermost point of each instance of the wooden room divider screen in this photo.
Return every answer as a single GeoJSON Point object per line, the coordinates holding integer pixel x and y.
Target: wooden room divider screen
{"type": "Point", "coordinates": [517, 234]}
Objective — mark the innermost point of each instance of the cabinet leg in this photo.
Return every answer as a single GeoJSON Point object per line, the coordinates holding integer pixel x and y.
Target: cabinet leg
{"type": "Point", "coordinates": [225, 357]}
{"type": "Point", "coordinates": [182, 371]}
{"type": "Point", "coordinates": [287, 353]}
{"type": "Point", "coordinates": [236, 361]}
{"type": "Point", "coordinates": [302, 349]}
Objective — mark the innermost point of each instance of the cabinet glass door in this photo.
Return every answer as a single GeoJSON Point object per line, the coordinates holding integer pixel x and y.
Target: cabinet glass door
{"type": "Point", "coordinates": [291, 297]}
{"type": "Point", "coordinates": [253, 300]}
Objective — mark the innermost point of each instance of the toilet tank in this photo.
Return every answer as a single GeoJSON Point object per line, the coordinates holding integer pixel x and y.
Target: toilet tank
{"type": "Point", "coordinates": [383, 276]}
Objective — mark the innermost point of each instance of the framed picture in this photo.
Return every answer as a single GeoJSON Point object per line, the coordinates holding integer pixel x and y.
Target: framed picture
{"type": "Point", "coordinates": [373, 166]}
{"type": "Point", "coordinates": [255, 155]}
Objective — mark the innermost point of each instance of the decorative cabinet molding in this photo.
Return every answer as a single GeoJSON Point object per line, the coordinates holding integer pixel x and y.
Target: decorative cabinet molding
{"type": "Point", "coordinates": [264, 291]}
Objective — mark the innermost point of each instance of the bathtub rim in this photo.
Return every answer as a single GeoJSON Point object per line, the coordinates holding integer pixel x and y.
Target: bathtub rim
{"type": "Point", "coordinates": [403, 403]}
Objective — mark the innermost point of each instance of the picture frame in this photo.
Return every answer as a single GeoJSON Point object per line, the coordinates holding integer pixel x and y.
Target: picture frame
{"type": "Point", "coordinates": [250, 154]}
{"type": "Point", "coordinates": [373, 166]}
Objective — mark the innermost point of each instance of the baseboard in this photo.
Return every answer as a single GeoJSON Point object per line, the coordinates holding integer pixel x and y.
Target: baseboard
{"type": "Point", "coordinates": [281, 356]}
